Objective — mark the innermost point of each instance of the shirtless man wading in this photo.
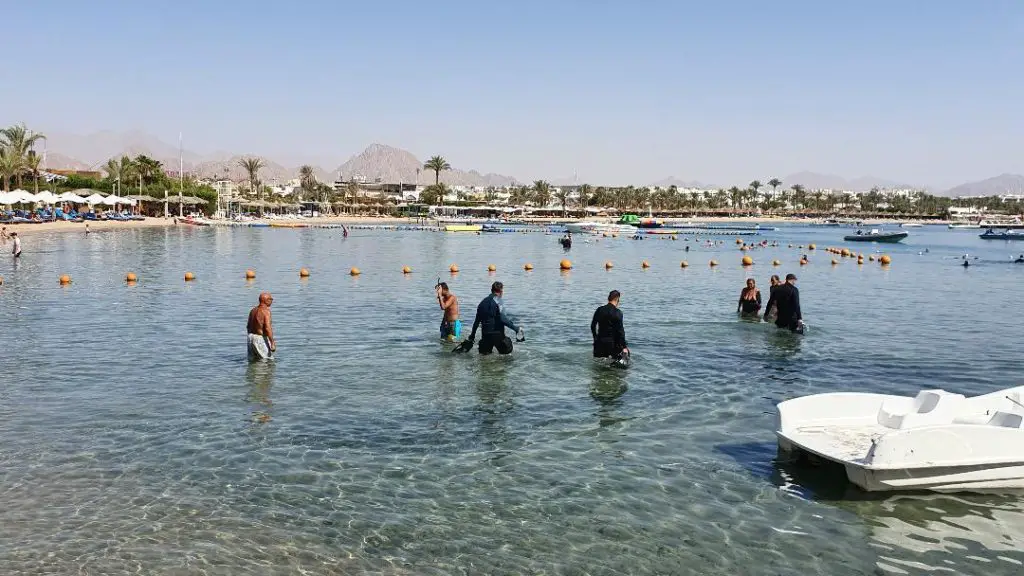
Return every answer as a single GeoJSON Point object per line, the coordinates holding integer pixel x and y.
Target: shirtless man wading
{"type": "Point", "coordinates": [451, 326]}
{"type": "Point", "coordinates": [261, 335]}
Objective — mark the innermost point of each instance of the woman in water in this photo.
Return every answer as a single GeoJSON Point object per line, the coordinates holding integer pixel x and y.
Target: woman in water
{"type": "Point", "coordinates": [775, 282]}
{"type": "Point", "coordinates": [750, 299]}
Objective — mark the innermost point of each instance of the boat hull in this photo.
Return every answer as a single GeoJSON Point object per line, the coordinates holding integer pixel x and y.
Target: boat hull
{"type": "Point", "coordinates": [882, 238]}
{"type": "Point", "coordinates": [463, 228]}
{"type": "Point", "coordinates": [987, 236]}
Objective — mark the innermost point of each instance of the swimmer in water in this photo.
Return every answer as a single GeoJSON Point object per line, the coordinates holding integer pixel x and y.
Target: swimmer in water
{"type": "Point", "coordinates": [451, 326]}
{"type": "Point", "coordinates": [4, 235]}
{"type": "Point", "coordinates": [261, 345]}
{"type": "Point", "coordinates": [1019, 260]}
{"type": "Point", "coordinates": [607, 329]}
{"type": "Point", "coordinates": [492, 321]}
{"type": "Point", "coordinates": [786, 299]}
{"type": "Point", "coordinates": [344, 231]}
{"type": "Point", "coordinates": [750, 299]}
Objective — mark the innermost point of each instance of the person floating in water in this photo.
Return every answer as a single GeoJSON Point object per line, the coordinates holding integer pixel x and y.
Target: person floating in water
{"type": "Point", "coordinates": [492, 321]}
{"type": "Point", "coordinates": [608, 332]}
{"type": "Point", "coordinates": [17, 245]}
{"type": "Point", "coordinates": [750, 299]}
{"type": "Point", "coordinates": [786, 299]}
{"type": "Point", "coordinates": [261, 345]}
{"type": "Point", "coordinates": [1019, 260]}
{"type": "Point", "coordinates": [451, 326]}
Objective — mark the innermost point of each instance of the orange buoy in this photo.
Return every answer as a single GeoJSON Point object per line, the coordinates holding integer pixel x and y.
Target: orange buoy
{"type": "Point", "coordinates": [713, 263]}
{"type": "Point", "coordinates": [608, 265]}
{"type": "Point", "coordinates": [776, 263]}
{"type": "Point", "coordinates": [835, 262]}
{"type": "Point", "coordinates": [871, 257]}
{"type": "Point", "coordinates": [131, 277]}
{"type": "Point", "coordinates": [615, 235]}
{"type": "Point", "coordinates": [303, 273]}
{"type": "Point", "coordinates": [747, 261]}
{"type": "Point", "coordinates": [645, 264]}
{"type": "Point", "coordinates": [406, 270]}
{"type": "Point", "coordinates": [845, 252]}
{"type": "Point", "coordinates": [249, 274]}
{"type": "Point", "coordinates": [811, 246]}
{"type": "Point", "coordinates": [65, 279]}
{"type": "Point", "coordinates": [739, 240]}
{"type": "Point", "coordinates": [354, 271]}
{"type": "Point", "coordinates": [454, 269]}
{"type": "Point", "coordinates": [528, 266]}
{"type": "Point", "coordinates": [189, 276]}
{"type": "Point", "coordinates": [684, 264]}
{"type": "Point", "coordinates": [565, 265]}
{"type": "Point", "coordinates": [491, 267]}
{"type": "Point", "coordinates": [885, 259]}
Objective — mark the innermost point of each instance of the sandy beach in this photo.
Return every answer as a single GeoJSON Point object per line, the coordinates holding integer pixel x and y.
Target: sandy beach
{"type": "Point", "coordinates": [104, 225]}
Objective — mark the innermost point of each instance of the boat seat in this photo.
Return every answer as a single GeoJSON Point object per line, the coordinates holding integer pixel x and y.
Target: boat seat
{"type": "Point", "coordinates": [928, 408]}
{"type": "Point", "coordinates": [1006, 420]}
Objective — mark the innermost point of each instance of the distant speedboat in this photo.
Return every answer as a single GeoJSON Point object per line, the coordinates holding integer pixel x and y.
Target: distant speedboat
{"type": "Point", "coordinates": [911, 225]}
{"type": "Point", "coordinates": [590, 227]}
{"type": "Point", "coordinates": [463, 228]}
{"type": "Point", "coordinates": [991, 234]}
{"type": "Point", "coordinates": [876, 235]}
{"type": "Point", "coordinates": [963, 226]}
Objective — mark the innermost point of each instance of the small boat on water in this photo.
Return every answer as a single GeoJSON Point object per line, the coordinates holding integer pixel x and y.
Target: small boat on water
{"type": "Point", "coordinates": [991, 234]}
{"type": "Point", "coordinates": [634, 220]}
{"type": "Point", "coordinates": [591, 227]}
{"type": "Point", "coordinates": [937, 440]}
{"type": "Point", "coordinates": [463, 228]}
{"type": "Point", "coordinates": [911, 225]}
{"type": "Point", "coordinates": [963, 225]}
{"type": "Point", "coordinates": [876, 235]}
{"type": "Point", "coordinates": [1003, 223]}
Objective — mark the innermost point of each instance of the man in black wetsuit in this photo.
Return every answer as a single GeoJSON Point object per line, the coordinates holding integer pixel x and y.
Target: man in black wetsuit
{"type": "Point", "coordinates": [607, 330]}
{"type": "Point", "coordinates": [491, 320]}
{"type": "Point", "coordinates": [786, 299]}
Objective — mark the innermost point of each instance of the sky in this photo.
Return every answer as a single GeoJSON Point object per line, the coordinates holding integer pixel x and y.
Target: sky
{"type": "Point", "coordinates": [928, 93]}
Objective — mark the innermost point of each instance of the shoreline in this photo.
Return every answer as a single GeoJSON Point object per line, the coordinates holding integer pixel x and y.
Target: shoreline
{"type": "Point", "coordinates": [25, 229]}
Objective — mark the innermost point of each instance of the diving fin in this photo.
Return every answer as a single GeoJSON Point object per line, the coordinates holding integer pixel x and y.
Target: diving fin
{"type": "Point", "coordinates": [466, 346]}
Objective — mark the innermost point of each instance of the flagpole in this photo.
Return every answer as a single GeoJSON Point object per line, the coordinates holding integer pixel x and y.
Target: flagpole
{"type": "Point", "coordinates": [181, 176]}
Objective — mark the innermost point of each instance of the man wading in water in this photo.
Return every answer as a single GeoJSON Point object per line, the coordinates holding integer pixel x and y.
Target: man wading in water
{"type": "Point", "coordinates": [261, 344]}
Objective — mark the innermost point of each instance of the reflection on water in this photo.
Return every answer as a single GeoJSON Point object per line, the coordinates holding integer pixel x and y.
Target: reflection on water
{"type": "Point", "coordinates": [368, 447]}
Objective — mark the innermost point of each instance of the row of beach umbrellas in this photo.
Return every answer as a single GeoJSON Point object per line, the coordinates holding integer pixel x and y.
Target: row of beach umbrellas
{"type": "Point", "coordinates": [90, 197]}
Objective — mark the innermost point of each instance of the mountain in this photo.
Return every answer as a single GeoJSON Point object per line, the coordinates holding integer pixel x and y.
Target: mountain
{"type": "Point", "coordinates": [231, 169]}
{"type": "Point", "coordinates": [673, 181]}
{"type": "Point", "coordinates": [392, 164]}
{"type": "Point", "coordinates": [816, 181]}
{"type": "Point", "coordinates": [995, 186]}
{"type": "Point", "coordinates": [58, 161]}
{"type": "Point", "coordinates": [95, 149]}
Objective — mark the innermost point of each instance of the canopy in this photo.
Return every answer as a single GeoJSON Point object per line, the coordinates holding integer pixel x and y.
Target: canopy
{"type": "Point", "coordinates": [116, 200]}
{"type": "Point", "coordinates": [46, 197]}
{"type": "Point", "coordinates": [186, 200]}
{"type": "Point", "coordinates": [144, 198]}
{"type": "Point", "coordinates": [70, 197]}
{"type": "Point", "coordinates": [17, 197]}
{"type": "Point", "coordinates": [94, 199]}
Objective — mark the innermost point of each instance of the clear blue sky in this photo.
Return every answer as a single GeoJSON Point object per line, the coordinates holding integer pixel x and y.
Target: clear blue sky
{"type": "Point", "coordinates": [723, 92]}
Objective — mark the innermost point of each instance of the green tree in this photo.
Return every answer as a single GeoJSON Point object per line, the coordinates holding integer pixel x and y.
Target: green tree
{"type": "Point", "coordinates": [252, 167]}
{"type": "Point", "coordinates": [438, 164]}
{"type": "Point", "coordinates": [799, 196]}
{"type": "Point", "coordinates": [775, 183]}
{"type": "Point", "coordinates": [32, 165]}
{"type": "Point", "coordinates": [736, 197]}
{"type": "Point", "coordinates": [18, 140]}
{"type": "Point", "coordinates": [562, 197]}
{"type": "Point", "coordinates": [434, 194]}
{"type": "Point", "coordinates": [308, 182]}
{"type": "Point", "coordinates": [541, 193]}
{"type": "Point", "coordinates": [583, 196]}
{"type": "Point", "coordinates": [10, 165]}
{"type": "Point", "coordinates": [490, 195]}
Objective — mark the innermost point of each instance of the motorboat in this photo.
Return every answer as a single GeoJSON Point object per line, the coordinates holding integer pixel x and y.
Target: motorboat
{"type": "Point", "coordinates": [936, 440]}
{"type": "Point", "coordinates": [1003, 223]}
{"type": "Point", "coordinates": [911, 225]}
{"type": "Point", "coordinates": [963, 225]}
{"type": "Point", "coordinates": [463, 228]}
{"type": "Point", "coordinates": [991, 234]}
{"type": "Point", "coordinates": [591, 227]}
{"type": "Point", "coordinates": [876, 235]}
{"type": "Point", "coordinates": [634, 220]}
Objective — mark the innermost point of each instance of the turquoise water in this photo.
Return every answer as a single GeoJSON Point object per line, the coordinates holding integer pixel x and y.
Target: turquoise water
{"type": "Point", "coordinates": [138, 439]}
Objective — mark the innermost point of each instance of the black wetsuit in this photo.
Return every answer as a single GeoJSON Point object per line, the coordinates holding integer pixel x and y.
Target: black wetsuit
{"type": "Point", "coordinates": [609, 334]}
{"type": "Point", "coordinates": [491, 320]}
{"type": "Point", "coordinates": [748, 307]}
{"type": "Point", "coordinates": [786, 299]}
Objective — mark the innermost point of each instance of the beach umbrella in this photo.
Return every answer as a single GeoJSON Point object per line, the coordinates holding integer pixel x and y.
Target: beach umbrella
{"type": "Point", "coordinates": [20, 197]}
{"type": "Point", "coordinates": [143, 198]}
{"type": "Point", "coordinates": [46, 197]}
{"type": "Point", "coordinates": [70, 197]}
{"type": "Point", "coordinates": [94, 199]}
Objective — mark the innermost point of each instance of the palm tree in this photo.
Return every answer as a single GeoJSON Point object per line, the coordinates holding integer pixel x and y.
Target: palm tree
{"type": "Point", "coordinates": [148, 168]}
{"type": "Point", "coordinates": [736, 197]}
{"type": "Point", "coordinates": [32, 164]}
{"type": "Point", "coordinates": [541, 193]}
{"type": "Point", "coordinates": [19, 140]}
{"type": "Point", "coordinates": [10, 165]}
{"type": "Point", "coordinates": [775, 183]}
{"type": "Point", "coordinates": [490, 195]}
{"type": "Point", "coordinates": [307, 181]}
{"type": "Point", "coordinates": [117, 169]}
{"type": "Point", "coordinates": [434, 194]}
{"type": "Point", "coordinates": [799, 195]}
{"type": "Point", "coordinates": [437, 164]}
{"type": "Point", "coordinates": [562, 197]}
{"type": "Point", "coordinates": [584, 195]}
{"type": "Point", "coordinates": [252, 167]}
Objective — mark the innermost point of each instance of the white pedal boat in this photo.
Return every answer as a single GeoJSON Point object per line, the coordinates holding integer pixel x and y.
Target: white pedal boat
{"type": "Point", "coordinates": [935, 441]}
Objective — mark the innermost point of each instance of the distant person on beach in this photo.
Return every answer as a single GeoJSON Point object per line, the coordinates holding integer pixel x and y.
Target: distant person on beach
{"type": "Point", "coordinates": [608, 331]}
{"type": "Point", "coordinates": [261, 343]}
{"type": "Point", "coordinates": [750, 299]}
{"type": "Point", "coordinates": [492, 321]}
{"type": "Point", "coordinates": [786, 299]}
{"type": "Point", "coordinates": [17, 245]}
{"type": "Point", "coordinates": [451, 326]}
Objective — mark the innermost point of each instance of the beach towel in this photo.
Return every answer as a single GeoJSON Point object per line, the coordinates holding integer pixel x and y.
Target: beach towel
{"type": "Point", "coordinates": [259, 348]}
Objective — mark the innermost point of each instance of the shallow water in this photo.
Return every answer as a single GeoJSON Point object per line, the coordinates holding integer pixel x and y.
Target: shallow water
{"type": "Point", "coordinates": [138, 439]}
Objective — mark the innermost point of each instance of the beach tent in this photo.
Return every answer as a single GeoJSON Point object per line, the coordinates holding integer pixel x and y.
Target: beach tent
{"type": "Point", "coordinates": [94, 199]}
{"type": "Point", "coordinates": [70, 197]}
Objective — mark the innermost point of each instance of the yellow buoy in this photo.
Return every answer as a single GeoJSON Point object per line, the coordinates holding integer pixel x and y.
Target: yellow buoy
{"type": "Point", "coordinates": [811, 246]}
{"type": "Point", "coordinates": [189, 276]}
{"type": "Point", "coordinates": [406, 270]}
{"type": "Point", "coordinates": [860, 260]}
{"type": "Point", "coordinates": [65, 279]}
{"type": "Point", "coordinates": [871, 257]}
{"type": "Point", "coordinates": [747, 261]}
{"type": "Point", "coordinates": [303, 273]}
{"type": "Point", "coordinates": [776, 263]}
{"type": "Point", "coordinates": [608, 265]}
{"type": "Point", "coordinates": [249, 274]}
{"type": "Point", "coordinates": [354, 271]}
{"type": "Point", "coordinates": [885, 259]}
{"type": "Point", "coordinates": [739, 241]}
{"type": "Point", "coordinates": [713, 263]}
{"type": "Point", "coordinates": [491, 267]}
{"type": "Point", "coordinates": [565, 265]}
{"type": "Point", "coordinates": [615, 235]}
{"type": "Point", "coordinates": [645, 264]}
{"type": "Point", "coordinates": [528, 266]}
{"type": "Point", "coordinates": [454, 269]}
{"type": "Point", "coordinates": [684, 264]}
{"type": "Point", "coordinates": [131, 277]}
{"type": "Point", "coordinates": [845, 252]}
{"type": "Point", "coordinates": [835, 262]}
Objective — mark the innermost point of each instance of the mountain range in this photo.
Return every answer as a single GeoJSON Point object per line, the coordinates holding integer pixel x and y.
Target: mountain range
{"type": "Point", "coordinates": [390, 164]}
